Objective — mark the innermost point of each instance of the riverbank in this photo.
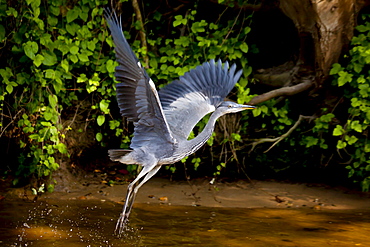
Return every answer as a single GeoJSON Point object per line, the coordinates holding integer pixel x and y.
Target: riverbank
{"type": "Point", "coordinates": [200, 192]}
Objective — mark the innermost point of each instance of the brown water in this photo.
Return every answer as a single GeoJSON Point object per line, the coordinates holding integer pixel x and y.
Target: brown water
{"type": "Point", "coordinates": [92, 223]}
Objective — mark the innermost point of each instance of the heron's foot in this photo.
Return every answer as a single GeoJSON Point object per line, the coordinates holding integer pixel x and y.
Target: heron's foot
{"type": "Point", "coordinates": [121, 223]}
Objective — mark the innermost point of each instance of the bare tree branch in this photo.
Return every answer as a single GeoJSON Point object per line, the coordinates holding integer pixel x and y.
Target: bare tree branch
{"type": "Point", "coordinates": [280, 138]}
{"type": "Point", "coordinates": [11, 122]}
{"type": "Point", "coordinates": [291, 90]}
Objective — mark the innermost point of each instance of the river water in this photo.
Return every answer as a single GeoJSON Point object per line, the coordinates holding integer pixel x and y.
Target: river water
{"type": "Point", "coordinates": [75, 223]}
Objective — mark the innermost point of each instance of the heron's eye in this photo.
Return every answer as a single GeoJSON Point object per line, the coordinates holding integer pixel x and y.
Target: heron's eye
{"type": "Point", "coordinates": [229, 106]}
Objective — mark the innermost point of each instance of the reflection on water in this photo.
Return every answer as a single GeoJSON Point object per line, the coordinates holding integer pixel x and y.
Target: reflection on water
{"type": "Point", "coordinates": [92, 223]}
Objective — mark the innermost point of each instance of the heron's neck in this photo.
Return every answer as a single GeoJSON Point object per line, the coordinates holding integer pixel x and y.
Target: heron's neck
{"type": "Point", "coordinates": [203, 137]}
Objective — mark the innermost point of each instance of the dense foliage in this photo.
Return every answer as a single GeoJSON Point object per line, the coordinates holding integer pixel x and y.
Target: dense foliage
{"type": "Point", "coordinates": [352, 132]}
{"type": "Point", "coordinates": [54, 57]}
{"type": "Point", "coordinates": [58, 65]}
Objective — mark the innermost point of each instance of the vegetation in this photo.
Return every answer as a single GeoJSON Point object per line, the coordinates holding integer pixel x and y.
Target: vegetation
{"type": "Point", "coordinates": [54, 59]}
{"type": "Point", "coordinates": [58, 69]}
{"type": "Point", "coordinates": [352, 131]}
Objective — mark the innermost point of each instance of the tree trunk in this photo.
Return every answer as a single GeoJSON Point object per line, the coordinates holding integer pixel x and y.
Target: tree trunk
{"type": "Point", "coordinates": [325, 29]}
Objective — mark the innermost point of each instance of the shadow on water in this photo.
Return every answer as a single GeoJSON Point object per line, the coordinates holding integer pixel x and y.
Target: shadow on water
{"type": "Point", "coordinates": [91, 223]}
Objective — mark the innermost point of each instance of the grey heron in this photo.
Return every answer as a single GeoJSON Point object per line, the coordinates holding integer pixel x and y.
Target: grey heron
{"type": "Point", "coordinates": [164, 119]}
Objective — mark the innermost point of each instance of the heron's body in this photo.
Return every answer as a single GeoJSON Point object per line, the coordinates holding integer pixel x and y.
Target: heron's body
{"type": "Point", "coordinates": [172, 154]}
{"type": "Point", "coordinates": [163, 120]}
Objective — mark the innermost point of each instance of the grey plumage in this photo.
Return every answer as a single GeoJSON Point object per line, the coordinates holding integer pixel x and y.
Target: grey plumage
{"type": "Point", "coordinates": [164, 120]}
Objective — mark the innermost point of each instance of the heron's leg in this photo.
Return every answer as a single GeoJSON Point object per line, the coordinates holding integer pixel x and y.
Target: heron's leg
{"type": "Point", "coordinates": [150, 174]}
{"type": "Point", "coordinates": [130, 198]}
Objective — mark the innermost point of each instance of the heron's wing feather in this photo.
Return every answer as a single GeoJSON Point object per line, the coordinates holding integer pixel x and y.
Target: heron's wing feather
{"type": "Point", "coordinates": [128, 72]}
{"type": "Point", "coordinates": [198, 92]}
{"type": "Point", "coordinates": [137, 96]}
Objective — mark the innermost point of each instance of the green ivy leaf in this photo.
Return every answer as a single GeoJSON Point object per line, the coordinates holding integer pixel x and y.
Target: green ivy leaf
{"type": "Point", "coordinates": [338, 131]}
{"type": "Point", "coordinates": [110, 65]}
{"type": "Point", "coordinates": [198, 27]}
{"type": "Point", "coordinates": [84, 15]}
{"type": "Point", "coordinates": [244, 47]}
{"type": "Point", "coordinates": [50, 58]}
{"type": "Point", "coordinates": [311, 141]}
{"type": "Point", "coordinates": [357, 67]}
{"type": "Point", "coordinates": [58, 84]}
{"type": "Point", "coordinates": [256, 112]}
{"type": "Point", "coordinates": [351, 139]}
{"type": "Point", "coordinates": [83, 57]}
{"type": "Point", "coordinates": [52, 21]}
{"type": "Point", "coordinates": [113, 124]}
{"type": "Point", "coordinates": [73, 14]}
{"type": "Point", "coordinates": [38, 60]}
{"type": "Point", "coordinates": [34, 136]}
{"type": "Point", "coordinates": [362, 28]}
{"type": "Point", "coordinates": [99, 137]}
{"type": "Point", "coordinates": [73, 58]}
{"type": "Point", "coordinates": [356, 164]}
{"type": "Point", "coordinates": [153, 63]}
{"type": "Point", "coordinates": [74, 49]}
{"type": "Point", "coordinates": [6, 73]}
{"type": "Point", "coordinates": [364, 90]}
{"type": "Point", "coordinates": [48, 115]}
{"type": "Point", "coordinates": [100, 120]}
{"type": "Point", "coordinates": [72, 28]}
{"type": "Point", "coordinates": [82, 78]}
{"type": "Point", "coordinates": [327, 117]}
{"type": "Point", "coordinates": [46, 124]}
{"type": "Point", "coordinates": [50, 74]}
{"type": "Point", "coordinates": [336, 68]}
{"type": "Point", "coordinates": [91, 45]}
{"type": "Point", "coordinates": [344, 77]}
{"type": "Point", "coordinates": [62, 148]}
{"type": "Point", "coordinates": [54, 10]}
{"type": "Point", "coordinates": [351, 172]}
{"type": "Point", "coordinates": [341, 144]}
{"type": "Point", "coordinates": [65, 65]}
{"type": "Point", "coordinates": [247, 30]}
{"type": "Point", "coordinates": [9, 88]}
{"type": "Point", "coordinates": [179, 20]}
{"type": "Point", "coordinates": [63, 48]}
{"type": "Point", "coordinates": [213, 26]}
{"type": "Point", "coordinates": [367, 148]}
{"type": "Point", "coordinates": [30, 49]}
{"type": "Point", "coordinates": [355, 125]}
{"type": "Point", "coordinates": [12, 12]}
{"type": "Point", "coordinates": [53, 100]}
{"type": "Point", "coordinates": [104, 106]}
{"type": "Point", "coordinates": [236, 137]}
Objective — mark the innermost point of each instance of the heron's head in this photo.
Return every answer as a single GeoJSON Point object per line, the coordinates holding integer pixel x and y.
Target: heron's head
{"type": "Point", "coordinates": [232, 107]}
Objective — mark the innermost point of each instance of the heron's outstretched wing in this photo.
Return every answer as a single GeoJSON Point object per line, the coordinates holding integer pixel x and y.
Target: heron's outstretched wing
{"type": "Point", "coordinates": [136, 94]}
{"type": "Point", "coordinates": [198, 92]}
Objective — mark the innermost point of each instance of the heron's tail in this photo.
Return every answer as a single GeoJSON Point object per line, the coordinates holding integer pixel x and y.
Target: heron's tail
{"type": "Point", "coordinates": [116, 154]}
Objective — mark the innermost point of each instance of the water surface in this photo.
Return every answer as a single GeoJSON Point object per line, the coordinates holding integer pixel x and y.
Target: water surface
{"type": "Point", "coordinates": [75, 223]}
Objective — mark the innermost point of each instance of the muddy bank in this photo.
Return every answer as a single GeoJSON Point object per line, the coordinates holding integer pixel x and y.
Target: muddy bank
{"type": "Point", "coordinates": [200, 192]}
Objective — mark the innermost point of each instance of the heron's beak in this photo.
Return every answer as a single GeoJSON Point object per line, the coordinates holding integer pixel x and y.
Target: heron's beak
{"type": "Point", "coordinates": [246, 107]}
